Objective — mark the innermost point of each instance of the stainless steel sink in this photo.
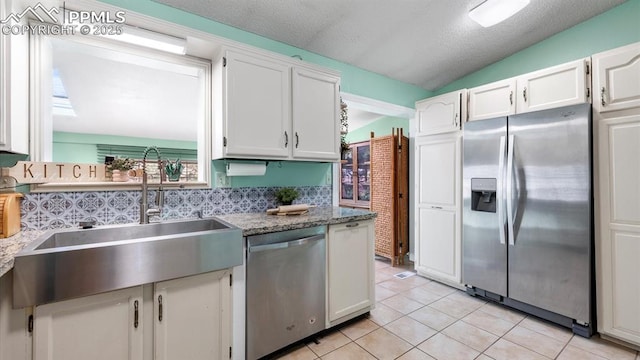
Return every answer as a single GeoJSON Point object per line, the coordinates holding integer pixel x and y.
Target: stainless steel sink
{"type": "Point", "coordinates": [70, 263]}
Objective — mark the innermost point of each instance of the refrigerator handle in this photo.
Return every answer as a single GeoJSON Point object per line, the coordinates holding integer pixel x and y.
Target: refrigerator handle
{"type": "Point", "coordinates": [509, 176]}
{"type": "Point", "coordinates": [500, 189]}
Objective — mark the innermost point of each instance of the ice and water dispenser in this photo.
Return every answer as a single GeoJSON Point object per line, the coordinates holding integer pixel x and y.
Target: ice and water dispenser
{"type": "Point", "coordinates": [483, 194]}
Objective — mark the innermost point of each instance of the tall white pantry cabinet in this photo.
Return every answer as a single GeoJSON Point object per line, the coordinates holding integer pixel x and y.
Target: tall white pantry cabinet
{"type": "Point", "coordinates": [616, 115]}
{"type": "Point", "coordinates": [437, 149]}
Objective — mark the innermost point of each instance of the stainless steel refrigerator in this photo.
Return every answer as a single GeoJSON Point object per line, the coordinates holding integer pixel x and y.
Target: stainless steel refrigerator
{"type": "Point", "coordinates": [527, 219]}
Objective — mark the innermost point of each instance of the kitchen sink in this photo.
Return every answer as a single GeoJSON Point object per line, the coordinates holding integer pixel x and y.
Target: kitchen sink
{"type": "Point", "coordinates": [69, 263]}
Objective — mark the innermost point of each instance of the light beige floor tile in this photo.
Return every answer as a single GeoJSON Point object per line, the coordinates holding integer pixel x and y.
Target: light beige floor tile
{"type": "Point", "coordinates": [389, 271]}
{"type": "Point", "coordinates": [329, 343]}
{"type": "Point", "coordinates": [382, 264]}
{"type": "Point", "coordinates": [359, 329]}
{"type": "Point", "coordinates": [555, 331]}
{"type": "Point", "coordinates": [350, 351]}
{"type": "Point", "coordinates": [383, 314]}
{"type": "Point", "coordinates": [396, 285]}
{"type": "Point", "coordinates": [483, 357]}
{"type": "Point", "coordinates": [301, 353]}
{"type": "Point", "coordinates": [453, 307]}
{"type": "Point", "coordinates": [439, 289]}
{"type": "Point", "coordinates": [381, 277]}
{"type": "Point", "coordinates": [441, 346]}
{"type": "Point", "coordinates": [603, 348]}
{"type": "Point", "coordinates": [383, 344]}
{"type": "Point", "coordinates": [571, 352]}
{"type": "Point", "coordinates": [432, 318]}
{"type": "Point", "coordinates": [466, 299]}
{"type": "Point", "coordinates": [410, 330]}
{"type": "Point", "coordinates": [383, 293]}
{"type": "Point", "coordinates": [470, 335]}
{"type": "Point", "coordinates": [422, 295]}
{"type": "Point", "coordinates": [502, 312]}
{"type": "Point", "coordinates": [416, 280]}
{"type": "Point", "coordinates": [542, 344]}
{"type": "Point", "coordinates": [506, 350]}
{"type": "Point", "coordinates": [488, 322]}
{"type": "Point", "coordinates": [402, 304]}
{"type": "Point", "coordinates": [415, 354]}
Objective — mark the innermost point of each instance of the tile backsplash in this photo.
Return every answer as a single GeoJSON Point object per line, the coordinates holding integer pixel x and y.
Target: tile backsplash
{"type": "Point", "coordinates": [41, 211]}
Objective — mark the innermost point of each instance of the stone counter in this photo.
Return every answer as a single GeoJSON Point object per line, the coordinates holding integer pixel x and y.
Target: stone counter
{"type": "Point", "coordinates": [10, 246]}
{"type": "Point", "coordinates": [261, 223]}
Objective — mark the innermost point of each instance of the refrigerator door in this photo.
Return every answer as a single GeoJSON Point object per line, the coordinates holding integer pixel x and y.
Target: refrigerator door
{"type": "Point", "coordinates": [484, 249]}
{"type": "Point", "coordinates": [550, 209]}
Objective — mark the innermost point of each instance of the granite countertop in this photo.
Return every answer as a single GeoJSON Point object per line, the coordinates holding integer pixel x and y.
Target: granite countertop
{"type": "Point", "coordinates": [250, 223]}
{"type": "Point", "coordinates": [261, 223]}
{"type": "Point", "coordinates": [10, 246]}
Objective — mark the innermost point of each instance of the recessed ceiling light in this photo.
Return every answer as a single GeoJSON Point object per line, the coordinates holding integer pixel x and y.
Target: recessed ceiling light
{"type": "Point", "coordinates": [491, 12]}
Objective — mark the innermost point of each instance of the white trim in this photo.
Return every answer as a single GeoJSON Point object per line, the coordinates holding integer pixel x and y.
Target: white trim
{"type": "Point", "coordinates": [377, 106]}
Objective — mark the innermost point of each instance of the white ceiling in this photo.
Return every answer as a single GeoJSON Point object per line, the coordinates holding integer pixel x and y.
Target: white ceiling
{"type": "Point", "coordinates": [429, 43]}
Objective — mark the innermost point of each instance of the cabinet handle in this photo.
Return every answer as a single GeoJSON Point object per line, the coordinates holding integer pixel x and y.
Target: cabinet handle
{"type": "Point", "coordinates": [352, 225]}
{"type": "Point", "coordinates": [286, 139]}
{"type": "Point", "coordinates": [511, 97]}
{"type": "Point", "coordinates": [455, 120]}
{"type": "Point", "coordinates": [524, 94]}
{"type": "Point", "coordinates": [135, 314]}
{"type": "Point", "coordinates": [160, 308]}
{"type": "Point", "coordinates": [437, 207]}
{"type": "Point", "coordinates": [297, 140]}
{"type": "Point", "coordinates": [602, 95]}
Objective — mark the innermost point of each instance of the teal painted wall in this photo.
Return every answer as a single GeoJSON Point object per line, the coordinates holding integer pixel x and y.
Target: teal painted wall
{"type": "Point", "coordinates": [280, 173]}
{"type": "Point", "coordinates": [354, 80]}
{"type": "Point", "coordinates": [614, 28]}
{"type": "Point", "coordinates": [81, 148]}
{"type": "Point", "coordinates": [380, 127]}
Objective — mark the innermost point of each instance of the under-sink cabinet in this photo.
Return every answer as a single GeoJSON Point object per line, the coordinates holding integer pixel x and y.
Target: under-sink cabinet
{"type": "Point", "coordinates": [350, 270]}
{"type": "Point", "coordinates": [272, 108]}
{"type": "Point", "coordinates": [185, 318]}
{"type": "Point", "coordinates": [557, 86]}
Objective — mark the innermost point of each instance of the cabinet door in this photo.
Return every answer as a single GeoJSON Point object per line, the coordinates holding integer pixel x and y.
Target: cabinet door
{"type": "Point", "coordinates": [316, 106]}
{"type": "Point", "coordinates": [493, 100]}
{"type": "Point", "coordinates": [437, 207]}
{"type": "Point", "coordinates": [618, 244]}
{"type": "Point", "coordinates": [438, 115]}
{"type": "Point", "coordinates": [14, 87]}
{"type": "Point", "coordinates": [557, 86]}
{"type": "Point", "coordinates": [99, 327]}
{"type": "Point", "coordinates": [350, 270]}
{"type": "Point", "coordinates": [15, 341]}
{"type": "Point", "coordinates": [617, 79]}
{"type": "Point", "coordinates": [193, 317]}
{"type": "Point", "coordinates": [258, 107]}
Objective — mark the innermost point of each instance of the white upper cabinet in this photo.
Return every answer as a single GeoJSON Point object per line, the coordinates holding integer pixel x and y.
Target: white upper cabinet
{"type": "Point", "coordinates": [316, 103]}
{"type": "Point", "coordinates": [553, 87]}
{"type": "Point", "coordinates": [617, 79]}
{"type": "Point", "coordinates": [14, 88]}
{"type": "Point", "coordinates": [271, 108]}
{"type": "Point", "coordinates": [438, 114]}
{"type": "Point", "coordinates": [493, 100]}
{"type": "Point", "coordinates": [257, 107]}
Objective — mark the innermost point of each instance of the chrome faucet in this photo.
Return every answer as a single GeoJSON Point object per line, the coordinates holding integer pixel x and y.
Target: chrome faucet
{"type": "Point", "coordinates": [145, 211]}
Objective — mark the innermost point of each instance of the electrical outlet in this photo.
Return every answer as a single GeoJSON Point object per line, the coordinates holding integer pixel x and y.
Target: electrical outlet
{"type": "Point", "coordinates": [329, 178]}
{"type": "Point", "coordinates": [222, 180]}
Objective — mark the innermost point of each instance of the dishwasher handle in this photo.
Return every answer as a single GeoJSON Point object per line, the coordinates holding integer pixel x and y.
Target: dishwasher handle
{"type": "Point", "coordinates": [283, 245]}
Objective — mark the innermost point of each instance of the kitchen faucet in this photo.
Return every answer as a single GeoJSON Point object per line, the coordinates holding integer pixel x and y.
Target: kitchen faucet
{"type": "Point", "coordinates": [145, 211]}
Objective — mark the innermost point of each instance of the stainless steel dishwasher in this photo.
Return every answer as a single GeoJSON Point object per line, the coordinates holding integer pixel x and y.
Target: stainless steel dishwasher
{"type": "Point", "coordinates": [285, 288]}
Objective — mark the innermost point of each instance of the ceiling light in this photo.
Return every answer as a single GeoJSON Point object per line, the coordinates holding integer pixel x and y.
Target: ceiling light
{"type": "Point", "coordinates": [150, 39]}
{"type": "Point", "coordinates": [491, 12]}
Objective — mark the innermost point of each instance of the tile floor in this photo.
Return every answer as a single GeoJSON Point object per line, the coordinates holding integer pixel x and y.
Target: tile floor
{"type": "Point", "coordinates": [416, 318]}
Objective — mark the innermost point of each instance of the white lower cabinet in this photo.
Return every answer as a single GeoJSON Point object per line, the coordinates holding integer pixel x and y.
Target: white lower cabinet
{"type": "Point", "coordinates": [99, 327]}
{"type": "Point", "coordinates": [15, 340]}
{"type": "Point", "coordinates": [191, 320]}
{"type": "Point", "coordinates": [192, 317]}
{"type": "Point", "coordinates": [350, 268]}
{"type": "Point", "coordinates": [438, 167]}
{"type": "Point", "coordinates": [617, 188]}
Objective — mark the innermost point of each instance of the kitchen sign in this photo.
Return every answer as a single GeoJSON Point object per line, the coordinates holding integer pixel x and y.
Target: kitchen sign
{"type": "Point", "coordinates": [32, 172]}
